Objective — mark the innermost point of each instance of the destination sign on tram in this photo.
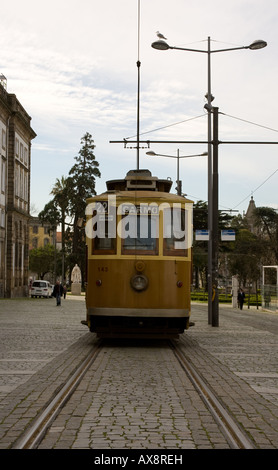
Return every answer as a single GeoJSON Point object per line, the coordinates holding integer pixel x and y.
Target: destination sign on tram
{"type": "Point", "coordinates": [142, 209]}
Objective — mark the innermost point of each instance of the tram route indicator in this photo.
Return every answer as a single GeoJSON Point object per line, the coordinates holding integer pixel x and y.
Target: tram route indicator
{"type": "Point", "coordinates": [102, 207]}
{"type": "Point", "coordinates": [142, 209]}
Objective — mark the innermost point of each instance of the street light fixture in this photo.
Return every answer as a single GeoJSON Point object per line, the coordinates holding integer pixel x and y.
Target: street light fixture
{"type": "Point", "coordinates": [162, 45]}
{"type": "Point", "coordinates": [258, 44]}
{"type": "Point", "coordinates": [212, 224]}
{"type": "Point", "coordinates": [179, 183]}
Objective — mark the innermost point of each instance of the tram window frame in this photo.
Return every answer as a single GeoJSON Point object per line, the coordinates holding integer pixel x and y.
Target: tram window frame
{"type": "Point", "coordinates": [169, 242]}
{"type": "Point", "coordinates": [97, 249]}
{"type": "Point", "coordinates": [125, 250]}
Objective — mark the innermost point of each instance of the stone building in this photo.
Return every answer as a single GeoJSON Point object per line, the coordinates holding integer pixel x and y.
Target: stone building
{"type": "Point", "coordinates": [16, 135]}
{"type": "Point", "coordinates": [249, 216]}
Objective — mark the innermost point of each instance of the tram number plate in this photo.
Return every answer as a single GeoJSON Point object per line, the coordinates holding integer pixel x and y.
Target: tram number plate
{"type": "Point", "coordinates": [103, 269]}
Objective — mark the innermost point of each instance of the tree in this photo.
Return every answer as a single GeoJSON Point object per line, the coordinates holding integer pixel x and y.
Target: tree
{"type": "Point", "coordinates": [200, 248]}
{"type": "Point", "coordinates": [266, 219]}
{"type": "Point", "coordinates": [69, 203]}
{"type": "Point", "coordinates": [51, 214]}
{"type": "Point", "coordinates": [81, 184]}
{"type": "Point", "coordinates": [245, 258]}
{"type": "Point", "coordinates": [41, 260]}
{"type": "Point", "coordinates": [61, 192]}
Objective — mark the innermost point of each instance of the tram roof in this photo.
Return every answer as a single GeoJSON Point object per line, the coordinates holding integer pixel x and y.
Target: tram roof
{"type": "Point", "coordinates": [141, 184]}
{"type": "Point", "coordinates": [140, 180]}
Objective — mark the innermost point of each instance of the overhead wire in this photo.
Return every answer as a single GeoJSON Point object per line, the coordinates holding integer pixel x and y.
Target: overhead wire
{"type": "Point", "coordinates": [249, 195]}
{"type": "Point", "coordinates": [249, 122]}
{"type": "Point", "coordinates": [228, 115]}
{"type": "Point", "coordinates": [169, 125]}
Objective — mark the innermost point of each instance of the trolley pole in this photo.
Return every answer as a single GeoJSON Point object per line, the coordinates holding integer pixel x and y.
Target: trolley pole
{"type": "Point", "coordinates": [215, 145]}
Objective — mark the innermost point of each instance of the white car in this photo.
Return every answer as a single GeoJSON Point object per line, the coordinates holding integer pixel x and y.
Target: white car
{"type": "Point", "coordinates": [41, 289]}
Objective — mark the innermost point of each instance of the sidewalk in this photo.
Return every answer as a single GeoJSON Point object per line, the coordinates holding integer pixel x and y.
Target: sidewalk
{"type": "Point", "coordinates": [229, 305]}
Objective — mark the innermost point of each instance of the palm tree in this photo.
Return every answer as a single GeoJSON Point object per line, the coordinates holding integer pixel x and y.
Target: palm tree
{"type": "Point", "coordinates": [60, 191]}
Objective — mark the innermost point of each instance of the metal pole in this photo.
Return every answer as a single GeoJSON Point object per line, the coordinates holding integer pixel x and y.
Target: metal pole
{"type": "Point", "coordinates": [138, 86]}
{"type": "Point", "coordinates": [209, 191]}
{"type": "Point", "coordinates": [215, 144]}
{"type": "Point", "coordinates": [138, 114]}
{"type": "Point", "coordinates": [178, 173]}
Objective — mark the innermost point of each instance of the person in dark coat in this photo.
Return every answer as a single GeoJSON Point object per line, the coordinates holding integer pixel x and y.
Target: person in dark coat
{"type": "Point", "coordinates": [65, 290]}
{"type": "Point", "coordinates": [58, 292]}
{"type": "Point", "coordinates": [240, 298]}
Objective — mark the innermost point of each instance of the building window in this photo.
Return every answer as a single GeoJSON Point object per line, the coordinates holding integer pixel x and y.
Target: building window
{"type": "Point", "coordinates": [2, 218]}
{"type": "Point", "coordinates": [2, 259]}
{"type": "Point", "coordinates": [25, 156]}
{"type": "Point", "coordinates": [21, 152]}
{"type": "Point", "coordinates": [3, 139]}
{"type": "Point", "coordinates": [3, 177]}
{"type": "Point", "coordinates": [46, 241]}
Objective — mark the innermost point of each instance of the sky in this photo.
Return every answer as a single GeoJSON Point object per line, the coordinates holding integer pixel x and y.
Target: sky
{"type": "Point", "coordinates": [73, 66]}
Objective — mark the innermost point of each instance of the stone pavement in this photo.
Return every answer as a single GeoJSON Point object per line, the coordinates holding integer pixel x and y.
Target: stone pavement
{"type": "Point", "coordinates": [239, 360]}
{"type": "Point", "coordinates": [246, 342]}
{"type": "Point", "coordinates": [32, 333]}
{"type": "Point", "coordinates": [135, 396]}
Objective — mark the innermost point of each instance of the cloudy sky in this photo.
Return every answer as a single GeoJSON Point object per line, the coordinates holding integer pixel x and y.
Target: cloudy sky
{"type": "Point", "coordinates": [72, 65]}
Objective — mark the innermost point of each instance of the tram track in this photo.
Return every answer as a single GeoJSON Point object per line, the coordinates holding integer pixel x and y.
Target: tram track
{"type": "Point", "coordinates": [230, 428]}
{"type": "Point", "coordinates": [31, 438]}
{"type": "Point", "coordinates": [232, 431]}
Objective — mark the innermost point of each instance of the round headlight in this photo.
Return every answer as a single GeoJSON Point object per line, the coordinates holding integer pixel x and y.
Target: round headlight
{"type": "Point", "coordinates": [139, 282]}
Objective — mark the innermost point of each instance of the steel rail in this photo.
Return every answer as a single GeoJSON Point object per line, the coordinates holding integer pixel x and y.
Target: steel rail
{"type": "Point", "coordinates": [234, 434]}
{"type": "Point", "coordinates": [33, 435]}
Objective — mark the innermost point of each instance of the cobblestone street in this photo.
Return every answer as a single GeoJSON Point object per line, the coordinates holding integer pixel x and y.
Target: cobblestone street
{"type": "Point", "coordinates": [136, 396]}
{"type": "Point", "coordinates": [33, 333]}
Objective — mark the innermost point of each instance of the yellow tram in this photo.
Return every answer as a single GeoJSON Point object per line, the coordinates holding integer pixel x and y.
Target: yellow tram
{"type": "Point", "coordinates": [138, 239]}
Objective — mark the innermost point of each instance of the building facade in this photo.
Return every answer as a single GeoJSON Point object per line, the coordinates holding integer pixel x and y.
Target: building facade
{"type": "Point", "coordinates": [40, 235]}
{"type": "Point", "coordinates": [16, 135]}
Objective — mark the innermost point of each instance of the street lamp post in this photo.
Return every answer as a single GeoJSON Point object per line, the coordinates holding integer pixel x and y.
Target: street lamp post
{"type": "Point", "coordinates": [212, 189]}
{"type": "Point", "coordinates": [214, 236]}
{"type": "Point", "coordinates": [179, 183]}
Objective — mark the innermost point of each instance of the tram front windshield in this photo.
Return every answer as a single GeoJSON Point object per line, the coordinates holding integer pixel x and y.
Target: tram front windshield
{"type": "Point", "coordinates": [139, 233]}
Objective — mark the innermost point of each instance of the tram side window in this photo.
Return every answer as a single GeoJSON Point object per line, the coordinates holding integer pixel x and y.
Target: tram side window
{"type": "Point", "coordinates": [174, 232]}
{"type": "Point", "coordinates": [140, 234]}
{"type": "Point", "coordinates": [104, 242]}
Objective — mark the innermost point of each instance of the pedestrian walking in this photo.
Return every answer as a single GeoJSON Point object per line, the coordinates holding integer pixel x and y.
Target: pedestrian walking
{"type": "Point", "coordinates": [240, 298]}
{"type": "Point", "coordinates": [58, 292]}
{"type": "Point", "coordinates": [65, 290]}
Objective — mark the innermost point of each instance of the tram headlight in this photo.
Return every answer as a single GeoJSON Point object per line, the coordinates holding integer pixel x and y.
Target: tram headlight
{"type": "Point", "coordinates": [139, 282]}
